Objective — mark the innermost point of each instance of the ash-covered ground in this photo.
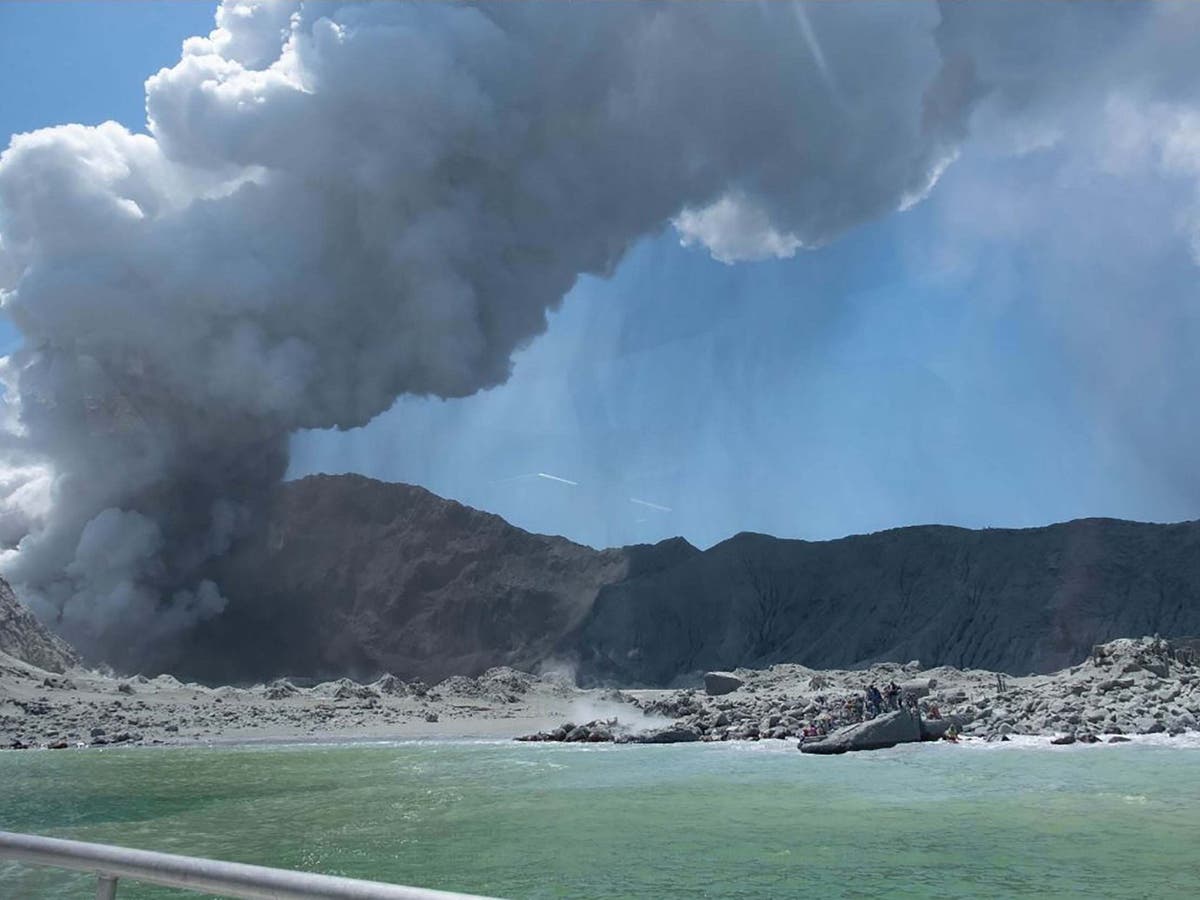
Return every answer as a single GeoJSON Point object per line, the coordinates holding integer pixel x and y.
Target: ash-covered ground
{"type": "Point", "coordinates": [1125, 687]}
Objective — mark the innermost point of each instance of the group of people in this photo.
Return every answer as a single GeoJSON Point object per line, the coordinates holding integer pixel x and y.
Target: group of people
{"type": "Point", "coordinates": [892, 697]}
{"type": "Point", "coordinates": [867, 705]}
{"type": "Point", "coordinates": [859, 707]}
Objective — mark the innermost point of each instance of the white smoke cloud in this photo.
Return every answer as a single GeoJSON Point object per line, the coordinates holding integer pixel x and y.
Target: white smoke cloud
{"type": "Point", "coordinates": [734, 231]}
{"type": "Point", "coordinates": [340, 203]}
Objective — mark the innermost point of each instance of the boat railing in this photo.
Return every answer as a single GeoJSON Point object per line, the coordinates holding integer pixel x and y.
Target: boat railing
{"type": "Point", "coordinates": [191, 873]}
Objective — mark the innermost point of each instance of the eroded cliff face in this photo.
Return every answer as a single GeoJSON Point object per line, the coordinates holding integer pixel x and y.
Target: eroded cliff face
{"type": "Point", "coordinates": [355, 576]}
{"type": "Point", "coordinates": [22, 636]}
{"type": "Point", "coordinates": [1015, 600]}
{"type": "Point", "coordinates": [350, 576]}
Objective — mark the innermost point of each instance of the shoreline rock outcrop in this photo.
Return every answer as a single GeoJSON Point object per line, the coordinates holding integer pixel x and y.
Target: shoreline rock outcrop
{"type": "Point", "coordinates": [718, 683]}
{"type": "Point", "coordinates": [901, 726]}
{"type": "Point", "coordinates": [1127, 686]}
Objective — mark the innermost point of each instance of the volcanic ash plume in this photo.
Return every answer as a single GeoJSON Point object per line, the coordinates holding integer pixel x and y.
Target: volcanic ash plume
{"type": "Point", "coordinates": [337, 204]}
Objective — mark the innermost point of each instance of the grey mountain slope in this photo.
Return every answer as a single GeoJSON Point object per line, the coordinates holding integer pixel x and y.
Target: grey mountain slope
{"type": "Point", "coordinates": [25, 638]}
{"type": "Point", "coordinates": [355, 576]}
{"type": "Point", "coordinates": [1016, 600]}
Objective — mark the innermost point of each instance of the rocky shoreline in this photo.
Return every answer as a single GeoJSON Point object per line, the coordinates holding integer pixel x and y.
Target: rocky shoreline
{"type": "Point", "coordinates": [1128, 686]}
{"type": "Point", "coordinates": [1125, 687]}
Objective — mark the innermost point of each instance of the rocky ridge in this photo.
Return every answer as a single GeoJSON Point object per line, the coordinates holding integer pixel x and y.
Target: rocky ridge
{"type": "Point", "coordinates": [24, 638]}
{"type": "Point", "coordinates": [350, 576]}
{"type": "Point", "coordinates": [1009, 600]}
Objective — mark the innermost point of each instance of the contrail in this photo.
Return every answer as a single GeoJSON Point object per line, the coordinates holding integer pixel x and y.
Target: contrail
{"type": "Point", "coordinates": [556, 478]}
{"type": "Point", "coordinates": [647, 503]}
{"type": "Point", "coordinates": [545, 475]}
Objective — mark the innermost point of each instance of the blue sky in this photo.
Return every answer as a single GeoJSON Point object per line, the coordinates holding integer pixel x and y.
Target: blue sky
{"type": "Point", "coordinates": [845, 390]}
{"type": "Point", "coordinates": [916, 370]}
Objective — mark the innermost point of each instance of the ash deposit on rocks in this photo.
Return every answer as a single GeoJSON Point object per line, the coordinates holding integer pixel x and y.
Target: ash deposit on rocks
{"type": "Point", "coordinates": [1125, 687]}
{"type": "Point", "coordinates": [89, 709]}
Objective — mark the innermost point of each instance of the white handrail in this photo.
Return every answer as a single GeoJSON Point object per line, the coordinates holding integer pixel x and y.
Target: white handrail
{"type": "Point", "coordinates": [194, 873]}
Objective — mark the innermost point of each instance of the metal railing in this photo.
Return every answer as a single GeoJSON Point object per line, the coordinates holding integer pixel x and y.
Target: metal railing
{"type": "Point", "coordinates": [191, 873]}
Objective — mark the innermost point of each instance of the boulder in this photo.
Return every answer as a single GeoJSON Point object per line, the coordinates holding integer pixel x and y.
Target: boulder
{"type": "Point", "coordinates": [918, 689]}
{"type": "Point", "coordinates": [717, 683]}
{"type": "Point", "coordinates": [935, 729]}
{"type": "Point", "coordinates": [1144, 725]}
{"type": "Point", "coordinates": [503, 681]}
{"type": "Point", "coordinates": [888, 730]}
{"type": "Point", "coordinates": [672, 734]}
{"type": "Point", "coordinates": [280, 689]}
{"type": "Point", "coordinates": [346, 689]}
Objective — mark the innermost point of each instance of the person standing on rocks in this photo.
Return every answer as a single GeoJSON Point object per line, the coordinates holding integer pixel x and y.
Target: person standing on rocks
{"type": "Point", "coordinates": [893, 696]}
{"type": "Point", "coordinates": [874, 701]}
{"type": "Point", "coordinates": [854, 710]}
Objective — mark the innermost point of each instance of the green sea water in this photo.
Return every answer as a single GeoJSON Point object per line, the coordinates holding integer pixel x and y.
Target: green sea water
{"type": "Point", "coordinates": [713, 820]}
